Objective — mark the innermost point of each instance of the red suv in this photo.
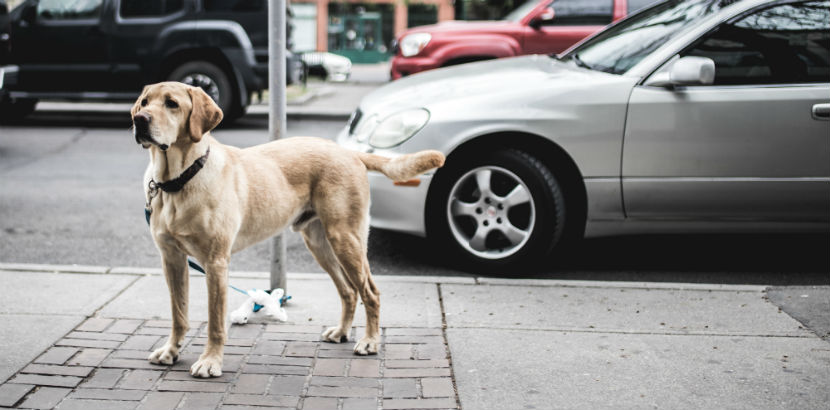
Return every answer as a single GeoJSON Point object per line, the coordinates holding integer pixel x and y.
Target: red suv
{"type": "Point", "coordinates": [536, 27]}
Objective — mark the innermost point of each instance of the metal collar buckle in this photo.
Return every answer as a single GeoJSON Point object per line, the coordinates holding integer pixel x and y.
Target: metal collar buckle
{"type": "Point", "coordinates": [152, 192]}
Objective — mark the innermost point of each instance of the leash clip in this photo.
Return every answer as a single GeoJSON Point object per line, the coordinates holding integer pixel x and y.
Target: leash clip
{"type": "Point", "coordinates": [152, 192]}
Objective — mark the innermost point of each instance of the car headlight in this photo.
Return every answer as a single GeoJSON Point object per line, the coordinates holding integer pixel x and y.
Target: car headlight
{"type": "Point", "coordinates": [394, 129]}
{"type": "Point", "coordinates": [365, 128]}
{"type": "Point", "coordinates": [413, 44]}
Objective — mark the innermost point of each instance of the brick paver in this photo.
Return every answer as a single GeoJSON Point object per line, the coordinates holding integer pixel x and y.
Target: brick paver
{"type": "Point", "coordinates": [57, 355]}
{"type": "Point", "coordinates": [102, 364]}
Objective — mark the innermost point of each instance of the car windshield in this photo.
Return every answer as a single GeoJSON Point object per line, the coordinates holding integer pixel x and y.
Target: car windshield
{"type": "Point", "coordinates": [623, 45]}
{"type": "Point", "coordinates": [521, 11]}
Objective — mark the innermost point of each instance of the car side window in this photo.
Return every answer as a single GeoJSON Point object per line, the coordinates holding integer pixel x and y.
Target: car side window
{"type": "Point", "coordinates": [784, 44]}
{"type": "Point", "coordinates": [234, 5]}
{"type": "Point", "coordinates": [57, 10]}
{"type": "Point", "coordinates": [581, 12]}
{"type": "Point", "coordinates": [144, 8]}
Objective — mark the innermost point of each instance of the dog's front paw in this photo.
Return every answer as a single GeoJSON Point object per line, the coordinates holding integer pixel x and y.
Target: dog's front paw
{"type": "Point", "coordinates": [335, 335]}
{"type": "Point", "coordinates": [207, 366]}
{"type": "Point", "coordinates": [367, 346]}
{"type": "Point", "coordinates": [167, 354]}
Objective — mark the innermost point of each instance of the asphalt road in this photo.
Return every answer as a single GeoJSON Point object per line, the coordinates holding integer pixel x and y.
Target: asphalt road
{"type": "Point", "coordinates": [70, 192]}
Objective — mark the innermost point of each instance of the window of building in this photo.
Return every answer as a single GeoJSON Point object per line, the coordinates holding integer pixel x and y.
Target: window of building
{"type": "Point", "coordinates": [581, 12]}
{"type": "Point", "coordinates": [421, 14]}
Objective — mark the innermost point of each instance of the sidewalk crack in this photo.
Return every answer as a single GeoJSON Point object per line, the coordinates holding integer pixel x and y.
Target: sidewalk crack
{"type": "Point", "coordinates": [447, 343]}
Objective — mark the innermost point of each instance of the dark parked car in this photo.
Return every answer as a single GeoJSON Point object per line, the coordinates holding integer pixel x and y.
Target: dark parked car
{"type": "Point", "coordinates": [109, 49]}
{"type": "Point", "coordinates": [5, 29]}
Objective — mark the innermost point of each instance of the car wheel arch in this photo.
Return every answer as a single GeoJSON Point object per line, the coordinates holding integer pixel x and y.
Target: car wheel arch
{"type": "Point", "coordinates": [179, 57]}
{"type": "Point", "coordinates": [467, 59]}
{"type": "Point", "coordinates": [551, 155]}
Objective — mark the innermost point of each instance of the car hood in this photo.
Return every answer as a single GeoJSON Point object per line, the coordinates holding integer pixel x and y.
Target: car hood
{"type": "Point", "coordinates": [465, 27]}
{"type": "Point", "coordinates": [483, 82]}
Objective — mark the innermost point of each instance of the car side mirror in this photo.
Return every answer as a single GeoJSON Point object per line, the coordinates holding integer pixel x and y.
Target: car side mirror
{"type": "Point", "coordinates": [545, 15]}
{"type": "Point", "coordinates": [685, 71]}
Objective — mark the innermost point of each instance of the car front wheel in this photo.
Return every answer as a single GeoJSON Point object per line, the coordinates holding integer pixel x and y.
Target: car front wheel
{"type": "Point", "coordinates": [497, 211]}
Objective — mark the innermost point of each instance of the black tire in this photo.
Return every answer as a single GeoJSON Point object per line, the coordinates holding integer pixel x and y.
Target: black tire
{"type": "Point", "coordinates": [14, 111]}
{"type": "Point", "coordinates": [216, 83]}
{"type": "Point", "coordinates": [516, 232]}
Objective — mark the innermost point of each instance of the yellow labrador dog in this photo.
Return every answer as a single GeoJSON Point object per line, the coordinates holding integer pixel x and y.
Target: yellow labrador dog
{"type": "Point", "coordinates": [210, 200]}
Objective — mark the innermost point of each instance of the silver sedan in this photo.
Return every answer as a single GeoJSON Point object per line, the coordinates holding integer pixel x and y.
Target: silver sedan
{"type": "Point", "coordinates": [690, 116]}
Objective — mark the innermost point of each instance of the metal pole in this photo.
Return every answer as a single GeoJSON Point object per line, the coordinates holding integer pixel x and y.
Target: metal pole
{"type": "Point", "coordinates": [276, 115]}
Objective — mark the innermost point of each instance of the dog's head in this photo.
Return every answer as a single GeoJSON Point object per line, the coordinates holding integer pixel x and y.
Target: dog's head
{"type": "Point", "coordinates": [171, 112]}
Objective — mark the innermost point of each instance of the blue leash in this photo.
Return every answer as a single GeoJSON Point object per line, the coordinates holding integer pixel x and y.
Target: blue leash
{"type": "Point", "coordinates": [198, 268]}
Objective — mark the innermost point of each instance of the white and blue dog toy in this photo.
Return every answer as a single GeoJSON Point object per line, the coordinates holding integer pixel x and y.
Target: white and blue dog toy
{"type": "Point", "coordinates": [261, 306]}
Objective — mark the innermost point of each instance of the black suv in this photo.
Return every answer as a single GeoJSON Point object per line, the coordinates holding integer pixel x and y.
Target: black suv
{"type": "Point", "coordinates": [109, 49]}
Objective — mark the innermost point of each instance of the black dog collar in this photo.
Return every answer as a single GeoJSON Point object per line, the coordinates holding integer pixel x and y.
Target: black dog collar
{"type": "Point", "coordinates": [176, 184]}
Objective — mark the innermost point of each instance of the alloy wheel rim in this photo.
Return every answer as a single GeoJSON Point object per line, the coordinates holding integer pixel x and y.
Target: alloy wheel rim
{"type": "Point", "coordinates": [205, 83]}
{"type": "Point", "coordinates": [491, 212]}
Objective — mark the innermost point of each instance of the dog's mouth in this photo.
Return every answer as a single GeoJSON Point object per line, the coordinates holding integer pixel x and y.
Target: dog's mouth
{"type": "Point", "coordinates": [145, 138]}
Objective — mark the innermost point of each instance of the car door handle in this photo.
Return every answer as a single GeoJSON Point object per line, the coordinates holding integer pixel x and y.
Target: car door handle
{"type": "Point", "coordinates": [821, 112]}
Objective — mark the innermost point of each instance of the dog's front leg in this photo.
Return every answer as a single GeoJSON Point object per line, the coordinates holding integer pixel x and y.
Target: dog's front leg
{"type": "Point", "coordinates": [175, 271]}
{"type": "Point", "coordinates": [210, 362]}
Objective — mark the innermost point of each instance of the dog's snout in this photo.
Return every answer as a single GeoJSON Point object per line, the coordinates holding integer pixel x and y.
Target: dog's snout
{"type": "Point", "coordinates": [141, 126]}
{"type": "Point", "coordinates": [141, 118]}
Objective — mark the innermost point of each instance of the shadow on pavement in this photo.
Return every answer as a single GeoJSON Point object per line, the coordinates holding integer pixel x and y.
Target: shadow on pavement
{"type": "Point", "coordinates": [781, 260]}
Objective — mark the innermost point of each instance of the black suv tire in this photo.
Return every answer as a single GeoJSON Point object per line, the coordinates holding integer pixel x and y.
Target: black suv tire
{"type": "Point", "coordinates": [214, 81]}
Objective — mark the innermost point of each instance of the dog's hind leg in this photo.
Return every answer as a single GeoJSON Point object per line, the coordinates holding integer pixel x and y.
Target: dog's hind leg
{"type": "Point", "coordinates": [175, 271]}
{"type": "Point", "coordinates": [370, 295]}
{"type": "Point", "coordinates": [350, 249]}
{"type": "Point", "coordinates": [315, 240]}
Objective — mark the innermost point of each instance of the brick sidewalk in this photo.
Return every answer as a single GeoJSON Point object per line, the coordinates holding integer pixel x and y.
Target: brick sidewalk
{"type": "Point", "coordinates": [102, 364]}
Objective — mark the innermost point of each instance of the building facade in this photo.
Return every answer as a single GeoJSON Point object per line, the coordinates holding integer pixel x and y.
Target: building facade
{"type": "Point", "coordinates": [362, 30]}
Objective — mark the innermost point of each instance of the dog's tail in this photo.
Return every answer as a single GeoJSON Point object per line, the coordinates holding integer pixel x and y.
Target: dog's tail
{"type": "Point", "coordinates": [404, 167]}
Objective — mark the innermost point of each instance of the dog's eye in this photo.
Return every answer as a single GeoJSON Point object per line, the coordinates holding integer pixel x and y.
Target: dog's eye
{"type": "Point", "coordinates": [171, 104]}
{"type": "Point", "coordinates": [144, 102]}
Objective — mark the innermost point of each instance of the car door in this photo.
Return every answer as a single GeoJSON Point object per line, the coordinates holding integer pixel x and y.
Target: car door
{"type": "Point", "coordinates": [749, 146]}
{"type": "Point", "coordinates": [142, 34]}
{"type": "Point", "coordinates": [572, 21]}
{"type": "Point", "coordinates": [61, 47]}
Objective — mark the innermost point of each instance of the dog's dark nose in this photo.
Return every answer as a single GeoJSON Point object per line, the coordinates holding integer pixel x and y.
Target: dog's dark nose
{"type": "Point", "coordinates": [141, 118]}
{"type": "Point", "coordinates": [141, 124]}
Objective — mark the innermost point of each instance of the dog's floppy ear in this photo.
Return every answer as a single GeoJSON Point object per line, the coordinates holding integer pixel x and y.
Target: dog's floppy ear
{"type": "Point", "coordinates": [205, 114]}
{"type": "Point", "coordinates": [137, 106]}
